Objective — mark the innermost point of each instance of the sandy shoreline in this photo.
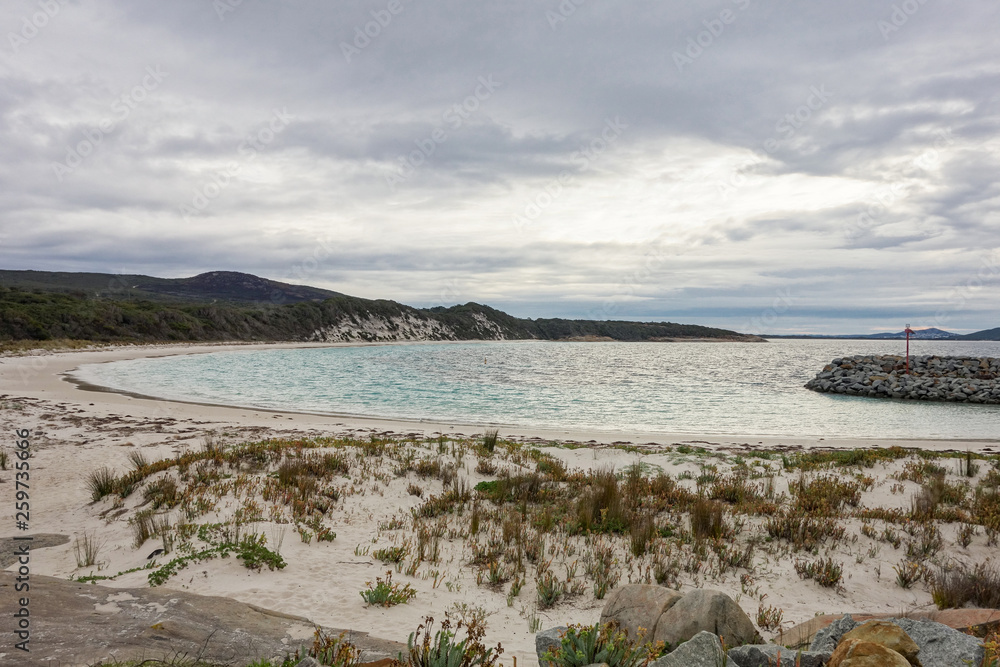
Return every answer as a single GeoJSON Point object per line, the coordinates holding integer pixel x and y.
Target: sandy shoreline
{"type": "Point", "coordinates": [75, 431]}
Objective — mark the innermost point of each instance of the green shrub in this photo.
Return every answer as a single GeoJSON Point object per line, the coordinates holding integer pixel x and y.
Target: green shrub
{"type": "Point", "coordinates": [254, 554]}
{"type": "Point", "coordinates": [586, 645]}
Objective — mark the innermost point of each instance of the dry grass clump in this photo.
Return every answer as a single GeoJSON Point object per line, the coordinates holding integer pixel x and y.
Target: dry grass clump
{"type": "Point", "coordinates": [803, 531]}
{"type": "Point", "coordinates": [707, 519]}
{"type": "Point", "coordinates": [736, 489]}
{"type": "Point", "coordinates": [101, 483]}
{"type": "Point", "coordinates": [962, 585]}
{"type": "Point", "coordinates": [826, 494]}
{"type": "Point", "coordinates": [86, 547]}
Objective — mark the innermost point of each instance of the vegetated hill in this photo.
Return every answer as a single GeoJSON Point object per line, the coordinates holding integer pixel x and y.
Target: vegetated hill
{"type": "Point", "coordinates": [988, 334]}
{"type": "Point", "coordinates": [58, 312]}
{"type": "Point", "coordinates": [212, 287]}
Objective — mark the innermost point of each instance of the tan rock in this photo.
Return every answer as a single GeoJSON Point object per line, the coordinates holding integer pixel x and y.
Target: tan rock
{"type": "Point", "coordinates": [889, 635]}
{"type": "Point", "coordinates": [638, 606]}
{"type": "Point", "coordinates": [854, 653]}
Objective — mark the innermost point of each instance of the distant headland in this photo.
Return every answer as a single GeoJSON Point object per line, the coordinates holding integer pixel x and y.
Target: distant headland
{"type": "Point", "coordinates": [232, 306]}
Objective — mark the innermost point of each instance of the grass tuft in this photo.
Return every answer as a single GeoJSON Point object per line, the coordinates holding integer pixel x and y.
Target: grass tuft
{"type": "Point", "coordinates": [101, 483]}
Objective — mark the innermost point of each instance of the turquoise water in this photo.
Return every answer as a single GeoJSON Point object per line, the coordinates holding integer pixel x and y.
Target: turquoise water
{"type": "Point", "coordinates": [716, 388]}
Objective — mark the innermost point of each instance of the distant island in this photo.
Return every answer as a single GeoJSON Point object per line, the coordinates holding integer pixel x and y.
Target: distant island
{"type": "Point", "coordinates": [233, 306]}
{"type": "Point", "coordinates": [918, 334]}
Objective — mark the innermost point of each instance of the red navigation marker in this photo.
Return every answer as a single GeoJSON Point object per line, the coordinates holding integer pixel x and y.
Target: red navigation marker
{"type": "Point", "coordinates": [908, 332]}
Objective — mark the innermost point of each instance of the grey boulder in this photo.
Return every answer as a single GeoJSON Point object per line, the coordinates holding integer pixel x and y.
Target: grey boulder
{"type": "Point", "coordinates": [766, 655]}
{"type": "Point", "coordinates": [547, 640]}
{"type": "Point", "coordinates": [826, 640]}
{"type": "Point", "coordinates": [705, 611]}
{"type": "Point", "coordinates": [941, 646]}
{"type": "Point", "coordinates": [702, 650]}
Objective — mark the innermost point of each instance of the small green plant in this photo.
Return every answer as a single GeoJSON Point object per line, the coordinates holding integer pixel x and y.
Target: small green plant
{"type": "Point", "coordinates": [387, 594]}
{"type": "Point", "coordinates": [550, 590]}
{"type": "Point", "coordinates": [826, 572]}
{"type": "Point", "coordinates": [586, 645]}
{"type": "Point", "coordinates": [907, 573]}
{"type": "Point", "coordinates": [391, 554]}
{"type": "Point", "coordinates": [444, 651]}
{"type": "Point", "coordinates": [769, 618]}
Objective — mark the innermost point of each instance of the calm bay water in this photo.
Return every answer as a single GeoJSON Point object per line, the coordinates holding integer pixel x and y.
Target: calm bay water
{"type": "Point", "coordinates": [717, 388]}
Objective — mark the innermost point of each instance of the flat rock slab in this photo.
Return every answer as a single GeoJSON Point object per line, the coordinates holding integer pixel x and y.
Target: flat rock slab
{"type": "Point", "coordinates": [9, 546]}
{"type": "Point", "coordinates": [81, 624]}
{"type": "Point", "coordinates": [977, 620]}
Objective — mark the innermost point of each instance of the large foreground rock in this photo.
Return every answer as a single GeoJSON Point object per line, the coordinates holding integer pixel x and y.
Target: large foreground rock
{"type": "Point", "coordinates": [84, 624]}
{"type": "Point", "coordinates": [940, 646]}
{"type": "Point", "coordinates": [706, 611]}
{"type": "Point", "coordinates": [702, 650]}
{"type": "Point", "coordinates": [766, 655]}
{"type": "Point", "coordinates": [638, 606]}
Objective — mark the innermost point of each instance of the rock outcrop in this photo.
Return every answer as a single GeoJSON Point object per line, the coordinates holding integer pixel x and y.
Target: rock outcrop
{"type": "Point", "coordinates": [73, 623]}
{"type": "Point", "coordinates": [930, 378]}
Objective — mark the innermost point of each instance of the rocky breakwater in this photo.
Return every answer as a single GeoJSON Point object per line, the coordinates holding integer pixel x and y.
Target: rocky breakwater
{"type": "Point", "coordinates": [931, 378]}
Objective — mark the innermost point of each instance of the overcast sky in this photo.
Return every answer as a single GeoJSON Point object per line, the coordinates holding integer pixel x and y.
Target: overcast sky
{"type": "Point", "coordinates": [766, 166]}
